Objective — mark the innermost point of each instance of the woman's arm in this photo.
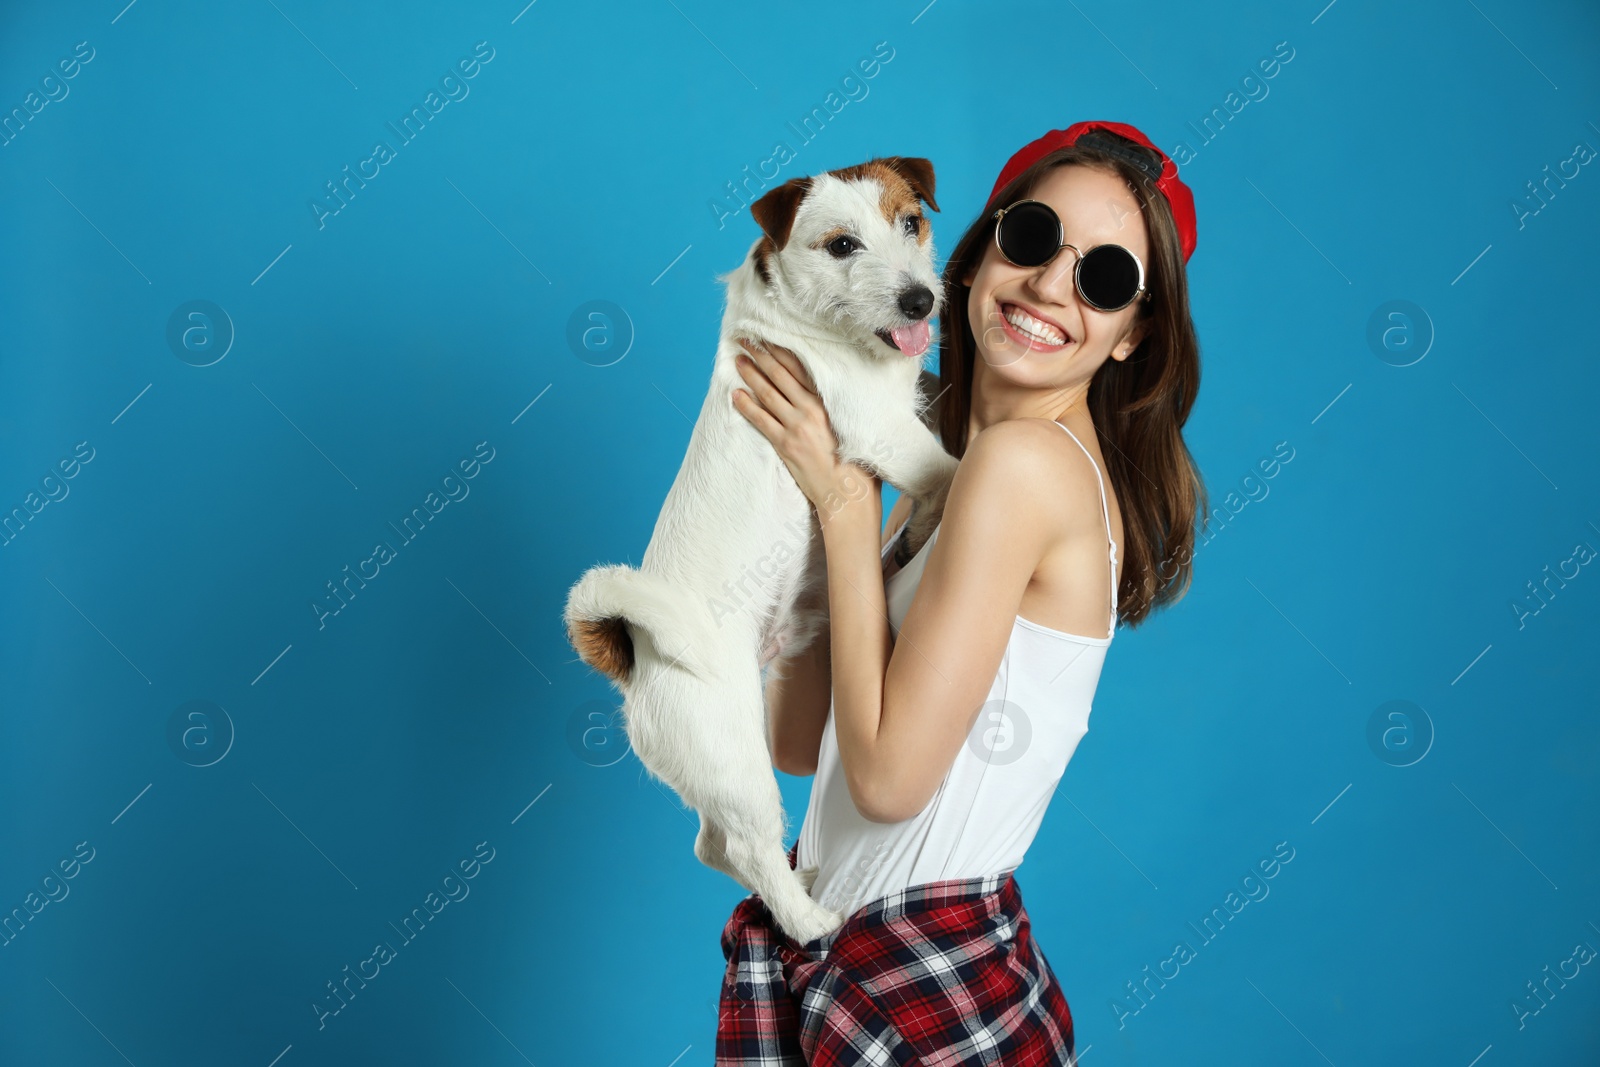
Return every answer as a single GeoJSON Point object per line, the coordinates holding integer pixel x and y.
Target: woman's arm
{"type": "Point", "coordinates": [800, 689]}
{"type": "Point", "coordinates": [903, 716]}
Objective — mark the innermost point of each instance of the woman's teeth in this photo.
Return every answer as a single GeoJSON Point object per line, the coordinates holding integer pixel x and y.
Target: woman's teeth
{"type": "Point", "coordinates": [1031, 327]}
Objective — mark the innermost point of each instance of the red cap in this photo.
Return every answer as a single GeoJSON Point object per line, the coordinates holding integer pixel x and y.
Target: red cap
{"type": "Point", "coordinates": [1178, 194]}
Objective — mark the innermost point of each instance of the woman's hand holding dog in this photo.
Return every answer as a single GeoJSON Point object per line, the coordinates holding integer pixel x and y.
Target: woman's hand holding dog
{"type": "Point", "coordinates": [782, 403]}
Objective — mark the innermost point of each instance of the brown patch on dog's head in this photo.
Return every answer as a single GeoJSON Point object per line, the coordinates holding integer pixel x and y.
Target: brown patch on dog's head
{"type": "Point", "coordinates": [605, 645]}
{"type": "Point", "coordinates": [905, 181]}
{"type": "Point", "coordinates": [774, 213]}
{"type": "Point", "coordinates": [916, 172]}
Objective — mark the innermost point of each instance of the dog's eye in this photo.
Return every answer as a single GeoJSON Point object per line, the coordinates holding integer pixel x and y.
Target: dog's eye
{"type": "Point", "coordinates": [840, 247]}
{"type": "Point", "coordinates": [913, 225]}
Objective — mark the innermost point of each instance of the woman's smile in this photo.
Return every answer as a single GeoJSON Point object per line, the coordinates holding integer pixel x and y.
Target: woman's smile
{"type": "Point", "coordinates": [1031, 330]}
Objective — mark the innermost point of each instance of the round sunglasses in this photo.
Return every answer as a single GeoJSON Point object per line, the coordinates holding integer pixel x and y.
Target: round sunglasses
{"type": "Point", "coordinates": [1108, 277]}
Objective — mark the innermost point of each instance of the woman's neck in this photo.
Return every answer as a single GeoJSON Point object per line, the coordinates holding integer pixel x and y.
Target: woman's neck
{"type": "Point", "coordinates": [994, 402]}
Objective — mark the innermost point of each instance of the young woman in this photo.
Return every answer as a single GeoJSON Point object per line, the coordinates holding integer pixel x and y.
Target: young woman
{"type": "Point", "coordinates": [953, 685]}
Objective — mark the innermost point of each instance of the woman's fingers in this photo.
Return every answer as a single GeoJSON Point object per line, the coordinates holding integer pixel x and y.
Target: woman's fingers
{"type": "Point", "coordinates": [792, 364]}
{"type": "Point", "coordinates": [784, 369]}
{"type": "Point", "coordinates": [758, 415]}
{"type": "Point", "coordinates": [770, 355]}
{"type": "Point", "coordinates": [758, 385]}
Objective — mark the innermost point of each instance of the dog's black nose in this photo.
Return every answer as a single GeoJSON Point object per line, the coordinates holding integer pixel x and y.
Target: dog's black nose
{"type": "Point", "coordinates": [916, 303]}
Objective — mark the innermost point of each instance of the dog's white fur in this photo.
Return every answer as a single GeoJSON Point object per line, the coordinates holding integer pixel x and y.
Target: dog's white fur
{"type": "Point", "coordinates": [734, 575]}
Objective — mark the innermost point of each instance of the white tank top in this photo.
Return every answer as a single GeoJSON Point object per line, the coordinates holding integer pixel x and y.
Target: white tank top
{"type": "Point", "coordinates": [989, 806]}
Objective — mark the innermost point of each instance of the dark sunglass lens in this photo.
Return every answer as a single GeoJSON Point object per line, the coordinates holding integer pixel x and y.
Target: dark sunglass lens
{"type": "Point", "coordinates": [1029, 234]}
{"type": "Point", "coordinates": [1109, 277]}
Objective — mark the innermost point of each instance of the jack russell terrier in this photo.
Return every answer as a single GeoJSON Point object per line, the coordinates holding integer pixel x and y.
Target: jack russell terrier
{"type": "Point", "coordinates": [735, 574]}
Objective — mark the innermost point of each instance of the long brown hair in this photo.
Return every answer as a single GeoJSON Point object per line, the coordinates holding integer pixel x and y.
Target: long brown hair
{"type": "Point", "coordinates": [1138, 405]}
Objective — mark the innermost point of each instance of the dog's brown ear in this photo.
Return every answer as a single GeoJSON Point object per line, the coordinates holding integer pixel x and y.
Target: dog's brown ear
{"type": "Point", "coordinates": [775, 211]}
{"type": "Point", "coordinates": [917, 172]}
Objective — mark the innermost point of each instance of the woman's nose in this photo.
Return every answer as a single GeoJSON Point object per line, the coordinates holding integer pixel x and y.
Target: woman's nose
{"type": "Point", "coordinates": [1054, 280]}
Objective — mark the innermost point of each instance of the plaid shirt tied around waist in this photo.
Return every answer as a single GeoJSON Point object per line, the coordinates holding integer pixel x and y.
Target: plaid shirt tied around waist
{"type": "Point", "coordinates": [945, 974]}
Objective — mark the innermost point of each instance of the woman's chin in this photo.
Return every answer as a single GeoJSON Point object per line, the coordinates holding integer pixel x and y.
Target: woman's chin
{"type": "Point", "coordinates": [998, 350]}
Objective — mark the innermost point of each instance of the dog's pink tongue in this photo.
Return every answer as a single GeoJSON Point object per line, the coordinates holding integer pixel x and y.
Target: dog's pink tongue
{"type": "Point", "coordinates": [913, 339]}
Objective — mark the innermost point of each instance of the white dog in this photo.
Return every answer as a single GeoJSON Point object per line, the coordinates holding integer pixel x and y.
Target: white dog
{"type": "Point", "coordinates": [734, 575]}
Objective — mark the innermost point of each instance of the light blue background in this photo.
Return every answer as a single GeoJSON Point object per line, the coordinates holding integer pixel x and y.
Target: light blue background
{"type": "Point", "coordinates": [442, 707]}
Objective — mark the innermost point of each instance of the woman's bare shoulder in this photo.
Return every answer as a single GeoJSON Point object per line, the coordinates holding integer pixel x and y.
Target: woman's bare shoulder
{"type": "Point", "coordinates": [1035, 452]}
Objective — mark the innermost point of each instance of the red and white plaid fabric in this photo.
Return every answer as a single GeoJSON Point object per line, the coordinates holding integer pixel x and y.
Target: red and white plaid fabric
{"type": "Point", "coordinates": [945, 974]}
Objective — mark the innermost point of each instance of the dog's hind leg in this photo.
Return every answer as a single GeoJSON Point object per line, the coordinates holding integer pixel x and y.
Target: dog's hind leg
{"type": "Point", "coordinates": [709, 743]}
{"type": "Point", "coordinates": [756, 858]}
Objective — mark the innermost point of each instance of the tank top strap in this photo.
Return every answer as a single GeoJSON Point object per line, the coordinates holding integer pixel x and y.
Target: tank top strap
{"type": "Point", "coordinates": [1105, 512]}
